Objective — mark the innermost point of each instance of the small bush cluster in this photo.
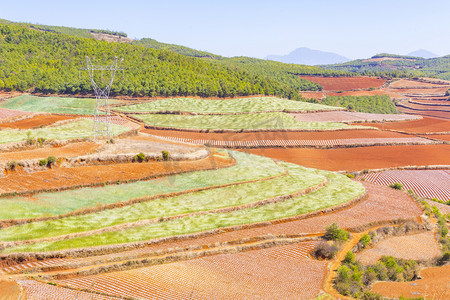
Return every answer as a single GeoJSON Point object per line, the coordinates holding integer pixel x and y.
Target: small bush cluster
{"type": "Point", "coordinates": [49, 161]}
{"type": "Point", "coordinates": [12, 165]}
{"type": "Point", "coordinates": [396, 186]}
{"type": "Point", "coordinates": [325, 251]}
{"type": "Point", "coordinates": [139, 157]}
{"type": "Point", "coordinates": [354, 279]}
{"type": "Point", "coordinates": [165, 155]}
{"type": "Point", "coordinates": [334, 233]}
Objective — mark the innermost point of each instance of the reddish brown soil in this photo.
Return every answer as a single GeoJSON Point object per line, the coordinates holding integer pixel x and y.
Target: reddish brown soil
{"type": "Point", "coordinates": [346, 83]}
{"type": "Point", "coordinates": [358, 93]}
{"type": "Point", "coordinates": [224, 276]}
{"type": "Point", "coordinates": [426, 113]}
{"type": "Point", "coordinates": [443, 137]}
{"type": "Point", "coordinates": [428, 107]}
{"type": "Point", "coordinates": [357, 159]}
{"type": "Point", "coordinates": [10, 290]}
{"type": "Point", "coordinates": [274, 135]}
{"type": "Point", "coordinates": [36, 121]}
{"type": "Point", "coordinates": [425, 125]}
{"type": "Point", "coordinates": [434, 285]}
{"type": "Point", "coordinates": [68, 177]}
{"type": "Point", "coordinates": [421, 246]}
{"type": "Point", "coordinates": [312, 95]}
{"type": "Point", "coordinates": [405, 83]}
{"type": "Point", "coordinates": [70, 150]}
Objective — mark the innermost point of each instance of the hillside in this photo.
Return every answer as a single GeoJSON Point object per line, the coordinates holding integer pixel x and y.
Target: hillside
{"type": "Point", "coordinates": [48, 62]}
{"type": "Point", "coordinates": [397, 66]}
{"type": "Point", "coordinates": [310, 57]}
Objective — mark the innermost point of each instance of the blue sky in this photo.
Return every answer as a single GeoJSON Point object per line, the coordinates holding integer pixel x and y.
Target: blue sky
{"type": "Point", "coordinates": [256, 28]}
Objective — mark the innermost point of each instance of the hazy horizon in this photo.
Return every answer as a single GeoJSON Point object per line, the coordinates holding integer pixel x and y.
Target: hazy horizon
{"type": "Point", "coordinates": [354, 29]}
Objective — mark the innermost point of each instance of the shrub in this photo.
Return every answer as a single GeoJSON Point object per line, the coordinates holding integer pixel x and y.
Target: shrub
{"type": "Point", "coordinates": [29, 140]}
{"type": "Point", "coordinates": [139, 157]}
{"type": "Point", "coordinates": [349, 258]}
{"type": "Point", "coordinates": [165, 155]}
{"type": "Point", "coordinates": [444, 259]}
{"type": "Point", "coordinates": [350, 175]}
{"type": "Point", "coordinates": [40, 141]}
{"type": "Point", "coordinates": [333, 232]}
{"type": "Point", "coordinates": [324, 251]}
{"type": "Point", "coordinates": [365, 240]}
{"type": "Point", "coordinates": [12, 165]}
{"type": "Point", "coordinates": [396, 186]}
{"type": "Point", "coordinates": [43, 162]}
{"type": "Point", "coordinates": [51, 160]}
{"type": "Point", "coordinates": [371, 296]}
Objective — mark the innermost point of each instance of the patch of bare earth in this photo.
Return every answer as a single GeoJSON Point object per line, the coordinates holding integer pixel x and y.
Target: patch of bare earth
{"type": "Point", "coordinates": [422, 246]}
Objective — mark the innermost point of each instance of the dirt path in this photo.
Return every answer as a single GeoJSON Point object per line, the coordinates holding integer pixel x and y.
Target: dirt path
{"type": "Point", "coordinates": [9, 289]}
{"type": "Point", "coordinates": [335, 263]}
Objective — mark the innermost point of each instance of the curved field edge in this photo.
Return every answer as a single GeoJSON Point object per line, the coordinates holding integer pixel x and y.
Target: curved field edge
{"type": "Point", "coordinates": [260, 121]}
{"type": "Point", "coordinates": [56, 105]}
{"type": "Point", "coordinates": [338, 191]}
{"type": "Point", "coordinates": [46, 205]}
{"type": "Point", "coordinates": [231, 106]}
{"type": "Point", "coordinates": [246, 195]}
{"type": "Point", "coordinates": [72, 130]}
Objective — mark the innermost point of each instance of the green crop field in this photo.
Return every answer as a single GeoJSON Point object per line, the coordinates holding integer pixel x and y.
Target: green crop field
{"type": "Point", "coordinates": [299, 179]}
{"type": "Point", "coordinates": [57, 105]}
{"type": "Point", "coordinates": [249, 167]}
{"type": "Point", "coordinates": [271, 120]}
{"type": "Point", "coordinates": [339, 190]}
{"type": "Point", "coordinates": [239, 105]}
{"type": "Point", "coordinates": [72, 130]}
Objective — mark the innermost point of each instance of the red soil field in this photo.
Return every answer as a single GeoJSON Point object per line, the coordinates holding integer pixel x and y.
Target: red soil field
{"type": "Point", "coordinates": [10, 290]}
{"type": "Point", "coordinates": [443, 208]}
{"type": "Point", "coordinates": [357, 159]}
{"type": "Point", "coordinates": [404, 83]}
{"type": "Point", "coordinates": [9, 113]}
{"type": "Point", "coordinates": [283, 272]}
{"type": "Point", "coordinates": [422, 246]}
{"type": "Point", "coordinates": [36, 290]}
{"type": "Point", "coordinates": [428, 107]}
{"type": "Point", "coordinates": [434, 285]}
{"type": "Point", "coordinates": [425, 125]}
{"type": "Point", "coordinates": [276, 135]}
{"type": "Point", "coordinates": [382, 204]}
{"type": "Point", "coordinates": [70, 150]}
{"type": "Point", "coordinates": [67, 177]}
{"type": "Point", "coordinates": [36, 121]}
{"type": "Point", "coordinates": [426, 113]}
{"type": "Point", "coordinates": [358, 93]}
{"type": "Point", "coordinates": [425, 183]}
{"type": "Point", "coordinates": [346, 83]}
{"type": "Point", "coordinates": [313, 95]}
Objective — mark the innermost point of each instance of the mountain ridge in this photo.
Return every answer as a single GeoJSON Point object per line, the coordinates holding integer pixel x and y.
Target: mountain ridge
{"type": "Point", "coordinates": [307, 56]}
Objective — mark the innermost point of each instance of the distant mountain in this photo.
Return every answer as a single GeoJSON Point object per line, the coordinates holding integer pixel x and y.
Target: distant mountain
{"type": "Point", "coordinates": [306, 56]}
{"type": "Point", "coordinates": [423, 53]}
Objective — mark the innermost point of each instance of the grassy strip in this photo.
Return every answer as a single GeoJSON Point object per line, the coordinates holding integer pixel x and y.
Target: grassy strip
{"type": "Point", "coordinates": [299, 179]}
{"type": "Point", "coordinates": [339, 190]}
{"type": "Point", "coordinates": [77, 129]}
{"type": "Point", "coordinates": [273, 120]}
{"type": "Point", "coordinates": [238, 105]}
{"type": "Point", "coordinates": [57, 105]}
{"type": "Point", "coordinates": [248, 167]}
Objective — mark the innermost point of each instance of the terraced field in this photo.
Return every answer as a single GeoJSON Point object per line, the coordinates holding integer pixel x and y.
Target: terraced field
{"type": "Point", "coordinates": [73, 130]}
{"type": "Point", "coordinates": [425, 183]}
{"type": "Point", "coordinates": [271, 120]}
{"type": "Point", "coordinates": [234, 275]}
{"type": "Point", "coordinates": [421, 246]}
{"type": "Point", "coordinates": [232, 106]}
{"type": "Point", "coordinates": [57, 105]}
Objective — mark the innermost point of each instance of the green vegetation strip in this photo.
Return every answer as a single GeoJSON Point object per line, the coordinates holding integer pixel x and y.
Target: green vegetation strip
{"type": "Point", "coordinates": [300, 178]}
{"type": "Point", "coordinates": [272, 120]}
{"type": "Point", "coordinates": [248, 167]}
{"type": "Point", "coordinates": [56, 105]}
{"type": "Point", "coordinates": [239, 105]}
{"type": "Point", "coordinates": [339, 190]}
{"type": "Point", "coordinates": [72, 130]}
{"type": "Point", "coordinates": [378, 104]}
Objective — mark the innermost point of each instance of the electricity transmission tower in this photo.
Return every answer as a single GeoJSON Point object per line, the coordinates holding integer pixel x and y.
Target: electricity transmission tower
{"type": "Point", "coordinates": [102, 116]}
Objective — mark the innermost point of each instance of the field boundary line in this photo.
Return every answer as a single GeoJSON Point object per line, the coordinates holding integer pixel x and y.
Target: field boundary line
{"type": "Point", "coordinates": [90, 251]}
{"type": "Point", "coordinates": [141, 223]}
